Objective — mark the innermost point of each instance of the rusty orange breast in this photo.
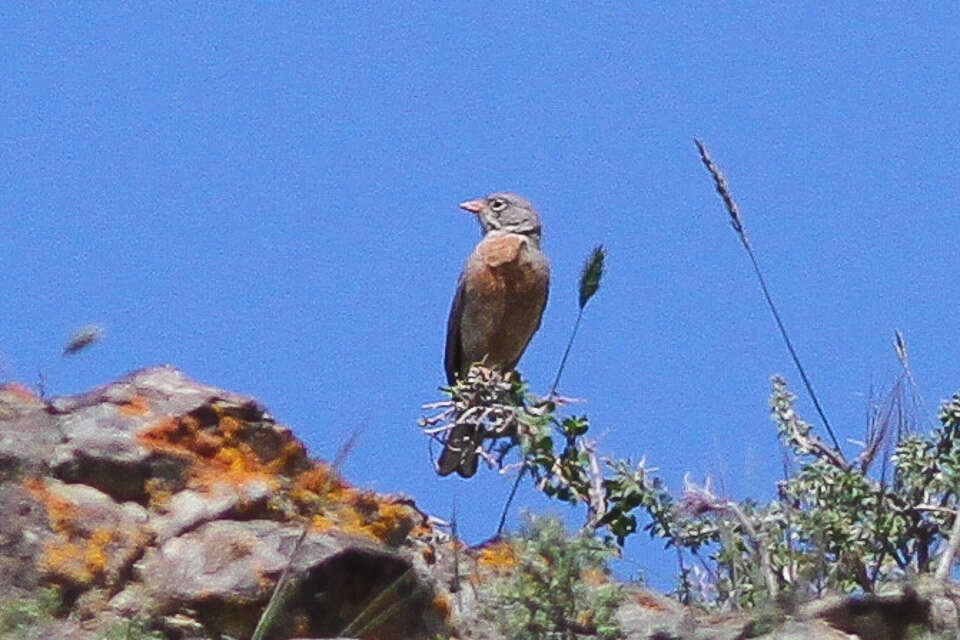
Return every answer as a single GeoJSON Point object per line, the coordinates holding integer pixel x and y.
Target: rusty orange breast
{"type": "Point", "coordinates": [505, 291]}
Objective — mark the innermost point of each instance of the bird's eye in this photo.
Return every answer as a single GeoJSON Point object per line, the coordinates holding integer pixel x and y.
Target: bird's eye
{"type": "Point", "coordinates": [498, 204]}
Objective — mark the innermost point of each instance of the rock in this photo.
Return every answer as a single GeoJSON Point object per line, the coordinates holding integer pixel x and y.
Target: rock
{"type": "Point", "coordinates": [159, 498]}
{"type": "Point", "coordinates": [91, 540]}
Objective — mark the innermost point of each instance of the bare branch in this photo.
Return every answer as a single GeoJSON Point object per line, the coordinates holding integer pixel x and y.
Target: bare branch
{"type": "Point", "coordinates": [946, 560]}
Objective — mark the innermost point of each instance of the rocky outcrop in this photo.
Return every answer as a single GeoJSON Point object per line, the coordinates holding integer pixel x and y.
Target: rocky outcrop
{"type": "Point", "coordinates": [165, 501]}
{"type": "Point", "coordinates": [159, 498]}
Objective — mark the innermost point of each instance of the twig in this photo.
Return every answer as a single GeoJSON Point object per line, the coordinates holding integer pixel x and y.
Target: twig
{"type": "Point", "coordinates": [280, 589]}
{"type": "Point", "coordinates": [597, 504]}
{"type": "Point", "coordinates": [83, 338]}
{"type": "Point", "coordinates": [557, 400]}
{"type": "Point", "coordinates": [797, 430]}
{"type": "Point", "coordinates": [737, 222]}
{"type": "Point", "coordinates": [364, 623]}
{"type": "Point", "coordinates": [506, 506]}
{"type": "Point", "coordinates": [566, 353]}
{"type": "Point", "coordinates": [455, 587]}
{"type": "Point", "coordinates": [279, 595]}
{"type": "Point", "coordinates": [442, 429]}
{"type": "Point", "coordinates": [697, 500]}
{"type": "Point", "coordinates": [931, 508]}
{"type": "Point", "coordinates": [877, 429]}
{"type": "Point", "coordinates": [766, 566]}
{"type": "Point", "coordinates": [946, 560]}
{"type": "Point", "coordinates": [590, 278]}
{"type": "Point", "coordinates": [900, 347]}
{"type": "Point", "coordinates": [346, 449]}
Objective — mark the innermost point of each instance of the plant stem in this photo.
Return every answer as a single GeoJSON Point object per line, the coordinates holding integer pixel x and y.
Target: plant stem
{"type": "Point", "coordinates": [566, 352]}
{"type": "Point", "coordinates": [946, 560]}
{"type": "Point", "coordinates": [278, 596]}
{"type": "Point", "coordinates": [506, 507]}
{"type": "Point", "coordinates": [737, 222]}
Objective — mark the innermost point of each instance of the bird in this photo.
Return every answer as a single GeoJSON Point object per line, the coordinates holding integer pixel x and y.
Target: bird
{"type": "Point", "coordinates": [497, 307]}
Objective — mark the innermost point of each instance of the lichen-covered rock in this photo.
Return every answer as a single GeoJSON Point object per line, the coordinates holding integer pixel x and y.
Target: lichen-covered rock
{"type": "Point", "coordinates": [159, 498]}
{"type": "Point", "coordinates": [180, 506]}
{"type": "Point", "coordinates": [91, 540]}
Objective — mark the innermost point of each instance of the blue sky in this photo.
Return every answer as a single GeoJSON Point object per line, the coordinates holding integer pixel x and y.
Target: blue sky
{"type": "Point", "coordinates": [266, 197]}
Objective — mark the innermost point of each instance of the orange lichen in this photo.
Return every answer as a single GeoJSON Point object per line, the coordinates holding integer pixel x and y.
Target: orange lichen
{"type": "Point", "coordinates": [220, 452]}
{"type": "Point", "coordinates": [499, 556]}
{"type": "Point", "coordinates": [215, 457]}
{"type": "Point", "coordinates": [343, 507]}
{"type": "Point", "coordinates": [318, 480]}
{"type": "Point", "coordinates": [649, 602]}
{"type": "Point", "coordinates": [441, 604]}
{"type": "Point", "coordinates": [61, 513]}
{"type": "Point", "coordinates": [429, 554]}
{"type": "Point", "coordinates": [364, 501]}
{"type": "Point", "coordinates": [65, 560]}
{"type": "Point", "coordinates": [321, 523]}
{"type": "Point", "coordinates": [20, 392]}
{"type": "Point", "coordinates": [137, 406]}
{"type": "Point", "coordinates": [75, 554]}
{"type": "Point", "coordinates": [233, 460]}
{"type": "Point", "coordinates": [389, 520]}
{"type": "Point", "coordinates": [360, 512]}
{"type": "Point", "coordinates": [291, 452]}
{"type": "Point", "coordinates": [422, 530]}
{"type": "Point", "coordinates": [341, 494]}
{"type": "Point", "coordinates": [158, 493]}
{"type": "Point", "coordinates": [306, 501]}
{"type": "Point", "coordinates": [229, 427]}
{"type": "Point", "coordinates": [351, 522]}
{"type": "Point", "coordinates": [594, 577]}
{"type": "Point", "coordinates": [170, 435]}
{"type": "Point", "coordinates": [95, 553]}
{"type": "Point", "coordinates": [301, 624]}
{"type": "Point", "coordinates": [207, 444]}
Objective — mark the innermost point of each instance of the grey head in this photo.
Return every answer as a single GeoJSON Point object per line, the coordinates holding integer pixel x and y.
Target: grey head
{"type": "Point", "coordinates": [505, 211]}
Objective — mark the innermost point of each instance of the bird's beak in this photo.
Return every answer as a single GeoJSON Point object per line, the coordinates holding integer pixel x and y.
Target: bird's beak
{"type": "Point", "coordinates": [473, 206]}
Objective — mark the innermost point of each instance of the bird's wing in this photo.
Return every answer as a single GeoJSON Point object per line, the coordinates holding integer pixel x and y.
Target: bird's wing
{"type": "Point", "coordinates": [458, 449]}
{"type": "Point", "coordinates": [546, 294]}
{"type": "Point", "coordinates": [453, 355]}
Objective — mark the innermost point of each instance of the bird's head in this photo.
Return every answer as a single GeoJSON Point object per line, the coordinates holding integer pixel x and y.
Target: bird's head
{"type": "Point", "coordinates": [505, 211]}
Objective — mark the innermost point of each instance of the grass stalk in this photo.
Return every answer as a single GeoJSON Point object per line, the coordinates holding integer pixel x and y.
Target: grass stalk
{"type": "Point", "coordinates": [737, 223]}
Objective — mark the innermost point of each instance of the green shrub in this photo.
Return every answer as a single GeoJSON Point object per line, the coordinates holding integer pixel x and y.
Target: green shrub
{"type": "Point", "coordinates": [24, 617]}
{"type": "Point", "coordinates": [836, 524]}
{"type": "Point", "coordinates": [135, 629]}
{"type": "Point", "coordinates": [559, 588]}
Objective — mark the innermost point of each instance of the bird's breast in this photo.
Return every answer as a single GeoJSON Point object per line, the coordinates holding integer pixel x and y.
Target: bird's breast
{"type": "Point", "coordinates": [509, 266]}
{"type": "Point", "coordinates": [504, 295]}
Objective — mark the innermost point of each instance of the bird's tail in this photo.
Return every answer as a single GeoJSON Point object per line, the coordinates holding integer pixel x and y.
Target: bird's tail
{"type": "Point", "coordinates": [459, 452]}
